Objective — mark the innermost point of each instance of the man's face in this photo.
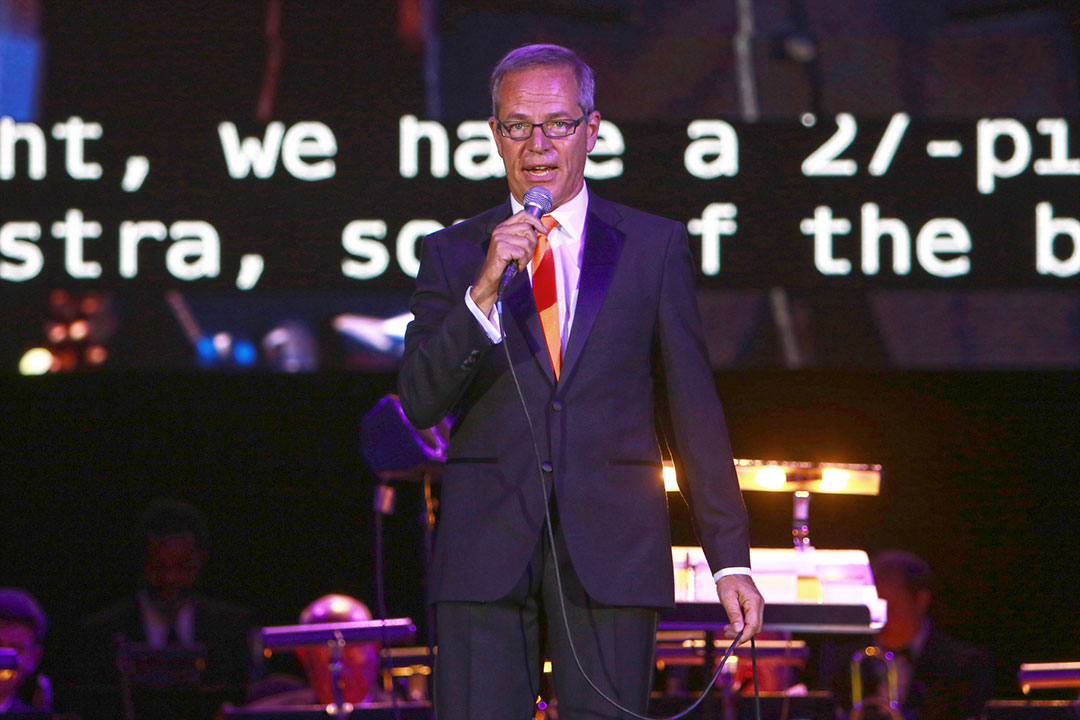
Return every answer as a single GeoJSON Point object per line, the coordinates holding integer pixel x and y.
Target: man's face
{"type": "Point", "coordinates": [172, 566]}
{"type": "Point", "coordinates": [906, 611]}
{"type": "Point", "coordinates": [20, 638]}
{"type": "Point", "coordinates": [536, 95]}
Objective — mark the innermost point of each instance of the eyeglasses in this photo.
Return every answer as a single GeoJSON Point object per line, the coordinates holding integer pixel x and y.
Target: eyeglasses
{"type": "Point", "coordinates": [521, 130]}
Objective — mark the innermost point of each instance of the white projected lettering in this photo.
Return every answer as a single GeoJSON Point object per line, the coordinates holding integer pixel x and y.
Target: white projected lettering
{"type": "Point", "coordinates": [477, 158]}
{"type": "Point", "coordinates": [296, 147]}
{"type": "Point", "coordinates": [411, 131]}
{"type": "Point", "coordinates": [714, 151]}
{"type": "Point", "coordinates": [1059, 162]}
{"type": "Point", "coordinates": [21, 259]}
{"type": "Point", "coordinates": [873, 229]}
{"type": "Point", "coordinates": [716, 221]}
{"type": "Point", "coordinates": [28, 135]}
{"type": "Point", "coordinates": [991, 167]}
{"type": "Point", "coordinates": [407, 239]}
{"type": "Point", "coordinates": [368, 258]}
{"type": "Point", "coordinates": [131, 233]}
{"type": "Point", "coordinates": [195, 252]}
{"type": "Point", "coordinates": [74, 229]}
{"type": "Point", "coordinates": [938, 238]}
{"type": "Point", "coordinates": [877, 201]}
{"type": "Point", "coordinates": [992, 135]}
{"type": "Point", "coordinates": [610, 145]}
{"type": "Point", "coordinates": [75, 133]}
{"type": "Point", "coordinates": [1049, 228]}
{"type": "Point", "coordinates": [823, 227]}
{"type": "Point", "coordinates": [826, 159]}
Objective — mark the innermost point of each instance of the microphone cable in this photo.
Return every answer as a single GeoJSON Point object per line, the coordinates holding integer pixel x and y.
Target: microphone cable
{"type": "Point", "coordinates": [558, 577]}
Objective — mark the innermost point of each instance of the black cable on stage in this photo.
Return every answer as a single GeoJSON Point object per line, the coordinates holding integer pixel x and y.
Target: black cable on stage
{"type": "Point", "coordinates": [753, 669]}
{"type": "Point", "coordinates": [558, 578]}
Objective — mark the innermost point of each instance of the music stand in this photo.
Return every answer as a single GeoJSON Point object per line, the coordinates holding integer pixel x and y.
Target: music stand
{"type": "Point", "coordinates": [335, 636]}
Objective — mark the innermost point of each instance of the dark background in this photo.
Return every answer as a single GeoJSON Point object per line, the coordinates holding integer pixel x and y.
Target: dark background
{"type": "Point", "coordinates": [980, 479]}
{"type": "Point", "coordinates": [981, 467]}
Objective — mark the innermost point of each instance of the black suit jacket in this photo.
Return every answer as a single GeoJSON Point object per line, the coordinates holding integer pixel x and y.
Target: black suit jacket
{"type": "Point", "coordinates": [635, 364]}
{"type": "Point", "coordinates": [219, 626]}
{"type": "Point", "coordinates": [950, 680]}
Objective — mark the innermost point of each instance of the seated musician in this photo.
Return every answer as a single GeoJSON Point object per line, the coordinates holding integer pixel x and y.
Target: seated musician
{"type": "Point", "coordinates": [360, 663]}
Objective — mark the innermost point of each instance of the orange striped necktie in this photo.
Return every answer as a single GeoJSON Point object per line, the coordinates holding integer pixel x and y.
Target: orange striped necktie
{"type": "Point", "coordinates": [547, 299]}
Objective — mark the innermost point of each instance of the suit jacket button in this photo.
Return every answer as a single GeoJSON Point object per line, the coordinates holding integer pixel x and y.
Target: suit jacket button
{"type": "Point", "coordinates": [547, 466]}
{"type": "Point", "coordinates": [556, 406]}
{"type": "Point", "coordinates": [470, 360]}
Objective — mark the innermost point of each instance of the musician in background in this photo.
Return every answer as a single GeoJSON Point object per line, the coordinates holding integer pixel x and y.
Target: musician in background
{"type": "Point", "coordinates": [22, 629]}
{"type": "Point", "coordinates": [167, 612]}
{"type": "Point", "coordinates": [359, 671]}
{"type": "Point", "coordinates": [939, 676]}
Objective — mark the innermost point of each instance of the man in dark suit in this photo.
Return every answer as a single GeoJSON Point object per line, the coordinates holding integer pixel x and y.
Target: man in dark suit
{"type": "Point", "coordinates": [603, 334]}
{"type": "Point", "coordinates": [939, 677]}
{"type": "Point", "coordinates": [170, 617]}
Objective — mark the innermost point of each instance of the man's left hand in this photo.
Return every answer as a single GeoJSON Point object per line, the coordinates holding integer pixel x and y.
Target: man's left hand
{"type": "Point", "coordinates": [743, 604]}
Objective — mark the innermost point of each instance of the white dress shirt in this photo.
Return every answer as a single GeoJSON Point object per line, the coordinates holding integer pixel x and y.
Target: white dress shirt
{"type": "Point", "coordinates": [567, 242]}
{"type": "Point", "coordinates": [156, 625]}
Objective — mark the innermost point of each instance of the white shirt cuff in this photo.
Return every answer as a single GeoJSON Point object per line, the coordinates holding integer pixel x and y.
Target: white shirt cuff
{"type": "Point", "coordinates": [731, 571]}
{"type": "Point", "coordinates": [487, 322]}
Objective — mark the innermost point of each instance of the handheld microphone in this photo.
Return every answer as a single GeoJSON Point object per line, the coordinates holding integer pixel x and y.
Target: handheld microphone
{"type": "Point", "coordinates": [538, 202]}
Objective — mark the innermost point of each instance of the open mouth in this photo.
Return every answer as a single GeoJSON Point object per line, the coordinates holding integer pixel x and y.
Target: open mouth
{"type": "Point", "coordinates": [540, 172]}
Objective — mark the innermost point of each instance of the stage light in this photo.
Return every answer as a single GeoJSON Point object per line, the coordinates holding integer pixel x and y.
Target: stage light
{"type": "Point", "coordinates": [1049, 676]}
{"type": "Point", "coordinates": [771, 477]}
{"type": "Point", "coordinates": [205, 348]}
{"type": "Point", "coordinates": [56, 332]}
{"type": "Point", "coordinates": [222, 343]}
{"type": "Point", "coordinates": [78, 330]}
{"type": "Point", "coordinates": [244, 353]}
{"type": "Point", "coordinates": [838, 478]}
{"type": "Point", "coordinates": [36, 361]}
{"type": "Point", "coordinates": [96, 354]}
{"type": "Point", "coordinates": [833, 480]}
{"type": "Point", "coordinates": [91, 303]}
{"type": "Point", "coordinates": [671, 484]}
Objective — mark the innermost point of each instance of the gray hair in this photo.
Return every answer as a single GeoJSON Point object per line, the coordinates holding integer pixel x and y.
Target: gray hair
{"type": "Point", "coordinates": [529, 56]}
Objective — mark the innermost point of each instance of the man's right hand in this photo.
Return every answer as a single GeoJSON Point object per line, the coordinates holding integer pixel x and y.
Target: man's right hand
{"type": "Point", "coordinates": [513, 240]}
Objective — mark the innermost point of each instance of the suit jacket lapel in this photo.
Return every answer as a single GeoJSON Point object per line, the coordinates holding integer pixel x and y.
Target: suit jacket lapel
{"type": "Point", "coordinates": [519, 300]}
{"type": "Point", "coordinates": [603, 243]}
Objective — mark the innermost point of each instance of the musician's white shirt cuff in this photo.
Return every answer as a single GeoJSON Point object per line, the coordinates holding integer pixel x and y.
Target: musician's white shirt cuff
{"type": "Point", "coordinates": [486, 321]}
{"type": "Point", "coordinates": [731, 571]}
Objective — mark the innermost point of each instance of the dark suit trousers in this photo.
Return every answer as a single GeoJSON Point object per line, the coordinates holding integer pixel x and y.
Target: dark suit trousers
{"type": "Point", "coordinates": [490, 654]}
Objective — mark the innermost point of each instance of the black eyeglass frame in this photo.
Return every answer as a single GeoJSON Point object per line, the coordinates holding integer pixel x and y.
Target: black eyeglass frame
{"type": "Point", "coordinates": [532, 128]}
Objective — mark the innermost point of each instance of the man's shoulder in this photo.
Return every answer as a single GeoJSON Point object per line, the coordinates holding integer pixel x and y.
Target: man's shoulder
{"type": "Point", "coordinates": [626, 217]}
{"type": "Point", "coordinates": [115, 616]}
{"type": "Point", "coordinates": [475, 229]}
{"type": "Point", "coordinates": [944, 648]}
{"type": "Point", "coordinates": [222, 610]}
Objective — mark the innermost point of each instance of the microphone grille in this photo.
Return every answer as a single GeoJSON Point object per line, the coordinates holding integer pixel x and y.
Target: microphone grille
{"type": "Point", "coordinates": [539, 197]}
